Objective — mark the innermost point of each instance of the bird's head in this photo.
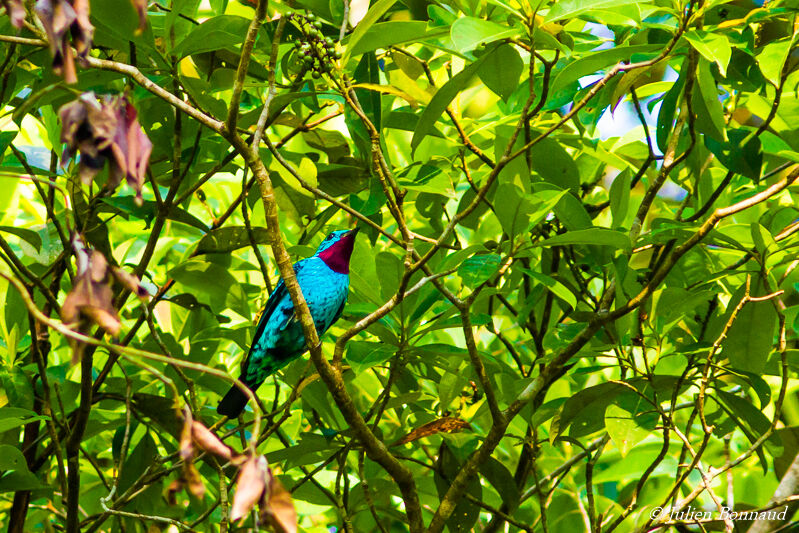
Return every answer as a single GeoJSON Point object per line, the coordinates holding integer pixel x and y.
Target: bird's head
{"type": "Point", "coordinates": [336, 250]}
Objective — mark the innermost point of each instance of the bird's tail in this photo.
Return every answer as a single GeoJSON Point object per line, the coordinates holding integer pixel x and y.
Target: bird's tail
{"type": "Point", "coordinates": [232, 404]}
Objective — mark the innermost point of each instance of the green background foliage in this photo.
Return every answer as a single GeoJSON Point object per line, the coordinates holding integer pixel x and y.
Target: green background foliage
{"type": "Point", "coordinates": [554, 324]}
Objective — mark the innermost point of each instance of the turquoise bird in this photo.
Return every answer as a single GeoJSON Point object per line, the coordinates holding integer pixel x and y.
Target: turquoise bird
{"type": "Point", "coordinates": [325, 283]}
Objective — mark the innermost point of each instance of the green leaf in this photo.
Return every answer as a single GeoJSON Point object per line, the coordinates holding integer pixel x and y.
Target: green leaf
{"type": "Point", "coordinates": [514, 212]}
{"type": "Point", "coordinates": [555, 164]}
{"type": "Point", "coordinates": [13, 422]}
{"type": "Point", "coordinates": [19, 481]}
{"type": "Point", "coordinates": [772, 58]}
{"type": "Point", "coordinates": [593, 236]}
{"type": "Point", "coordinates": [362, 355]}
{"type": "Point", "coordinates": [212, 284]}
{"type": "Point", "coordinates": [668, 110]}
{"type": "Point", "coordinates": [557, 288]}
{"type": "Point", "coordinates": [11, 458]}
{"type": "Point", "coordinates": [713, 46]}
{"type": "Point", "coordinates": [442, 99]}
{"type": "Point", "coordinates": [629, 420]}
{"type": "Point", "coordinates": [746, 160]}
{"type": "Point", "coordinates": [708, 109]}
{"type": "Point", "coordinates": [373, 15]}
{"type": "Point", "coordinates": [501, 75]}
{"type": "Point", "coordinates": [127, 206]}
{"type": "Point", "coordinates": [502, 480]}
{"type": "Point", "coordinates": [478, 268]}
{"type": "Point", "coordinates": [230, 238]}
{"type": "Point", "coordinates": [6, 139]}
{"type": "Point", "coordinates": [27, 235]}
{"type": "Point", "coordinates": [392, 33]}
{"type": "Point", "coordinates": [216, 33]}
{"type": "Point", "coordinates": [620, 197]}
{"type": "Point", "coordinates": [751, 337]}
{"type": "Point", "coordinates": [596, 61]}
{"type": "Point", "coordinates": [589, 405]}
{"type": "Point", "coordinates": [468, 33]}
{"type": "Point", "coordinates": [565, 9]}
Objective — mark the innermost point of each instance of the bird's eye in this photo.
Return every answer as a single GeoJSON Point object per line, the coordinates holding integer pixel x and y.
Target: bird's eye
{"type": "Point", "coordinates": [329, 236]}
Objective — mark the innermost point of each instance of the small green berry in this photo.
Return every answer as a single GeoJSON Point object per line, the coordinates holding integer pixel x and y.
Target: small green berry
{"type": "Point", "coordinates": [318, 24]}
{"type": "Point", "coordinates": [315, 75]}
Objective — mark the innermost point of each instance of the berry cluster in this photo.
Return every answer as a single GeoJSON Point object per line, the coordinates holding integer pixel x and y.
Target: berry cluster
{"type": "Point", "coordinates": [316, 51]}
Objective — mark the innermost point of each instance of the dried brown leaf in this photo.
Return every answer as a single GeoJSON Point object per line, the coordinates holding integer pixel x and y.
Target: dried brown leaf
{"type": "Point", "coordinates": [209, 442]}
{"type": "Point", "coordinates": [106, 130]}
{"type": "Point", "coordinates": [447, 424]}
{"type": "Point", "coordinates": [91, 297]}
{"type": "Point", "coordinates": [141, 9]}
{"type": "Point", "coordinates": [172, 490]}
{"type": "Point", "coordinates": [186, 442]}
{"type": "Point", "coordinates": [61, 20]}
{"type": "Point", "coordinates": [131, 282]}
{"type": "Point", "coordinates": [15, 10]}
{"type": "Point", "coordinates": [193, 480]}
{"type": "Point", "coordinates": [279, 509]}
{"type": "Point", "coordinates": [252, 483]}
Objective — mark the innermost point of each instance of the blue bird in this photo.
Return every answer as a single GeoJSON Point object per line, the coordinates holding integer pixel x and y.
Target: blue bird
{"type": "Point", "coordinates": [325, 283]}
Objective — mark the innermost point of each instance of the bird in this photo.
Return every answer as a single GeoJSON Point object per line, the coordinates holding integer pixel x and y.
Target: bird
{"type": "Point", "coordinates": [325, 282]}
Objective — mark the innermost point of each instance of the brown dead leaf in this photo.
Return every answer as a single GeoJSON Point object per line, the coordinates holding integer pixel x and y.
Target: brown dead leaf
{"type": "Point", "coordinates": [61, 20]}
{"type": "Point", "coordinates": [209, 442]}
{"type": "Point", "coordinates": [171, 494]}
{"type": "Point", "coordinates": [447, 424]}
{"type": "Point", "coordinates": [91, 298]}
{"type": "Point", "coordinates": [279, 509]}
{"type": "Point", "coordinates": [186, 442]}
{"type": "Point", "coordinates": [251, 487]}
{"type": "Point", "coordinates": [131, 282]}
{"type": "Point", "coordinates": [106, 130]}
{"type": "Point", "coordinates": [193, 480]}
{"type": "Point", "coordinates": [15, 10]}
{"type": "Point", "coordinates": [141, 9]}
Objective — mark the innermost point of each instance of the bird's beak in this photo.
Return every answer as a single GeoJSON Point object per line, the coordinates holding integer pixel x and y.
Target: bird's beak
{"type": "Point", "coordinates": [353, 233]}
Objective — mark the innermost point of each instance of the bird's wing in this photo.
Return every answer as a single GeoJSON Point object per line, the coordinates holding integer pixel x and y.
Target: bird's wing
{"type": "Point", "coordinates": [278, 294]}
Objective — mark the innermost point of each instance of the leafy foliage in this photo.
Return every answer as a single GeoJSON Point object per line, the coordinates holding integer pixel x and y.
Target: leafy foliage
{"type": "Point", "coordinates": [576, 300]}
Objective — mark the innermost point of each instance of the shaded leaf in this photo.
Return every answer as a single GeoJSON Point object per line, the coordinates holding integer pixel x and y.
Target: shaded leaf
{"type": "Point", "coordinates": [27, 235]}
{"type": "Point", "coordinates": [501, 75]}
{"type": "Point", "coordinates": [594, 236]}
{"type": "Point", "coordinates": [230, 238]}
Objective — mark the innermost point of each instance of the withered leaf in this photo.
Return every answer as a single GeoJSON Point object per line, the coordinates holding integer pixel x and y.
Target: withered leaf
{"type": "Point", "coordinates": [131, 282]}
{"type": "Point", "coordinates": [251, 487]}
{"type": "Point", "coordinates": [16, 11]}
{"type": "Point", "coordinates": [91, 298]}
{"type": "Point", "coordinates": [193, 480]}
{"type": "Point", "coordinates": [447, 424]}
{"type": "Point", "coordinates": [172, 490]}
{"type": "Point", "coordinates": [61, 20]}
{"type": "Point", "coordinates": [209, 442]}
{"type": "Point", "coordinates": [186, 442]}
{"type": "Point", "coordinates": [141, 9]}
{"type": "Point", "coordinates": [279, 509]}
{"type": "Point", "coordinates": [106, 130]}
